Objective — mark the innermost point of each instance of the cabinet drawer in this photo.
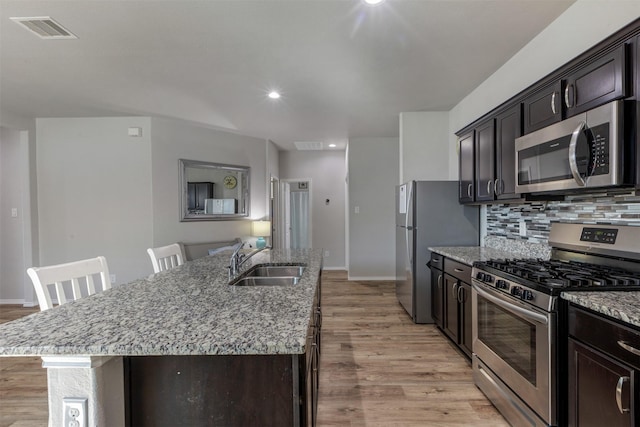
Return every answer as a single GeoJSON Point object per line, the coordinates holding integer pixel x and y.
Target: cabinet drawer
{"type": "Point", "coordinates": [458, 270]}
{"type": "Point", "coordinates": [437, 261]}
{"type": "Point", "coordinates": [613, 338]}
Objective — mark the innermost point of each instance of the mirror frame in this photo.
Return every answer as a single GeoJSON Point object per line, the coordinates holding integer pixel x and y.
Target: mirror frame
{"type": "Point", "coordinates": [243, 205]}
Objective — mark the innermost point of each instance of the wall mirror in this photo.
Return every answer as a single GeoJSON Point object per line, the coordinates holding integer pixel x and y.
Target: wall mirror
{"type": "Point", "coordinates": [213, 191]}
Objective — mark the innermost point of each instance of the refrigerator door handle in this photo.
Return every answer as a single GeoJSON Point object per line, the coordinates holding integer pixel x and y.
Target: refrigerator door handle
{"type": "Point", "coordinates": [406, 222]}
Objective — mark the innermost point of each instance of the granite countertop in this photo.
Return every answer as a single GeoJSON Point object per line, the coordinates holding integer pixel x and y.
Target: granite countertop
{"type": "Point", "coordinates": [469, 254]}
{"type": "Point", "coordinates": [621, 305]}
{"type": "Point", "coordinates": [188, 310]}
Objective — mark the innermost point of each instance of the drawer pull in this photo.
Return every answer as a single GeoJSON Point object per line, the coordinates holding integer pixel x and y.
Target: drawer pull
{"type": "Point", "coordinates": [619, 386]}
{"type": "Point", "coordinates": [629, 348]}
{"type": "Point", "coordinates": [458, 270]}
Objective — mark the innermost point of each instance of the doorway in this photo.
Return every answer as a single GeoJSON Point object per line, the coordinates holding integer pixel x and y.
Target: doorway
{"type": "Point", "coordinates": [296, 208]}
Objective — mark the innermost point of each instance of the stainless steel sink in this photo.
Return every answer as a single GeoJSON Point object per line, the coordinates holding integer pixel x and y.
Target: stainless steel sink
{"type": "Point", "coordinates": [276, 271]}
{"type": "Point", "coordinates": [270, 275]}
{"type": "Point", "coordinates": [266, 281]}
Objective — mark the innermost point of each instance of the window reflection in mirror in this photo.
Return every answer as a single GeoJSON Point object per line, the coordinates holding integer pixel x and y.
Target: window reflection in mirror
{"type": "Point", "coordinates": [213, 191]}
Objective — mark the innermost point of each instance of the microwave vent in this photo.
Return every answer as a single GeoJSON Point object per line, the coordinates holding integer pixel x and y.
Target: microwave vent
{"type": "Point", "coordinates": [44, 27]}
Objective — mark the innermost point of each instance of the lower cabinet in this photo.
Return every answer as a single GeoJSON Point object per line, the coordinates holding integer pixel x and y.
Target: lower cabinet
{"type": "Point", "coordinates": [226, 390]}
{"type": "Point", "coordinates": [604, 369]}
{"type": "Point", "coordinates": [455, 303]}
{"type": "Point", "coordinates": [437, 289]}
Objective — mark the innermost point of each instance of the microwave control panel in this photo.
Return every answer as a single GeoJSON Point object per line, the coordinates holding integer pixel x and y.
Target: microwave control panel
{"type": "Point", "coordinates": [599, 149]}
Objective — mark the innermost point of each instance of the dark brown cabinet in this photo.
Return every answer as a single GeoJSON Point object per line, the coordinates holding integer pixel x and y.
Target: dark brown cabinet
{"type": "Point", "coordinates": [196, 193]}
{"type": "Point", "coordinates": [508, 128]}
{"type": "Point", "coordinates": [543, 108]}
{"type": "Point", "coordinates": [227, 390]}
{"type": "Point", "coordinates": [466, 168]}
{"type": "Point", "coordinates": [457, 305]}
{"type": "Point", "coordinates": [597, 83]}
{"type": "Point", "coordinates": [484, 161]}
{"type": "Point", "coordinates": [436, 265]}
{"type": "Point", "coordinates": [604, 369]}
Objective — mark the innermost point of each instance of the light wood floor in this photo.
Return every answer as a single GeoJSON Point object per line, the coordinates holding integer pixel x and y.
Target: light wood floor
{"type": "Point", "coordinates": [377, 368]}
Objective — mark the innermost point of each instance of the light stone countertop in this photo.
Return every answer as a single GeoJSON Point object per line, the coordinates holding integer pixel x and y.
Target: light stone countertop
{"type": "Point", "coordinates": [621, 305]}
{"type": "Point", "coordinates": [469, 254]}
{"type": "Point", "coordinates": [188, 310]}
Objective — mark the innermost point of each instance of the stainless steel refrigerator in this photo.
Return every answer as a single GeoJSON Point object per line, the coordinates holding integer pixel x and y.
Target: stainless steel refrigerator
{"type": "Point", "coordinates": [427, 214]}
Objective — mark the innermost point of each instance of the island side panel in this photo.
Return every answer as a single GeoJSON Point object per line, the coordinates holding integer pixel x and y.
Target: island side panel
{"type": "Point", "coordinates": [211, 390]}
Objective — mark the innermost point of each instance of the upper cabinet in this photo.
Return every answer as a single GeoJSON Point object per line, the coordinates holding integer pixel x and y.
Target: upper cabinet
{"type": "Point", "coordinates": [609, 71]}
{"type": "Point", "coordinates": [485, 161]}
{"type": "Point", "coordinates": [508, 128]}
{"type": "Point", "coordinates": [466, 168]}
{"type": "Point", "coordinates": [597, 83]}
{"type": "Point", "coordinates": [543, 108]}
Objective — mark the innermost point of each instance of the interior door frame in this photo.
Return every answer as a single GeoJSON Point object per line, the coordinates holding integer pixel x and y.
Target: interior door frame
{"type": "Point", "coordinates": [285, 192]}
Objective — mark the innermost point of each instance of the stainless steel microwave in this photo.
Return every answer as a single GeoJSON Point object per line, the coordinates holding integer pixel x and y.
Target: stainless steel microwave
{"type": "Point", "coordinates": [583, 151]}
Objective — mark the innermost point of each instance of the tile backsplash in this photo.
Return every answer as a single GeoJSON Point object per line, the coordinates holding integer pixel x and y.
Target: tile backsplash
{"type": "Point", "coordinates": [533, 219]}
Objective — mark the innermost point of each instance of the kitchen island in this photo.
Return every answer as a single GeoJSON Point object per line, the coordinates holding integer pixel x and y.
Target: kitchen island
{"type": "Point", "coordinates": [182, 343]}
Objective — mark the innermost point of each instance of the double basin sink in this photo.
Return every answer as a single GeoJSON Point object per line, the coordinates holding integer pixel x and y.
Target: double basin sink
{"type": "Point", "coordinates": [270, 275]}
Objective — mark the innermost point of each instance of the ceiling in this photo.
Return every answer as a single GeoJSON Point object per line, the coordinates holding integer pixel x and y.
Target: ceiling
{"type": "Point", "coordinates": [344, 69]}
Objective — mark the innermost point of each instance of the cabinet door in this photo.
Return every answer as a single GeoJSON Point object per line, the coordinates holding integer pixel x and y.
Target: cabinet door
{"type": "Point", "coordinates": [508, 128]}
{"type": "Point", "coordinates": [466, 332]}
{"type": "Point", "coordinates": [637, 97]}
{"type": "Point", "coordinates": [543, 108]}
{"type": "Point", "coordinates": [451, 307]}
{"type": "Point", "coordinates": [204, 190]}
{"type": "Point", "coordinates": [191, 196]}
{"type": "Point", "coordinates": [466, 168]}
{"type": "Point", "coordinates": [437, 296]}
{"type": "Point", "coordinates": [597, 83]}
{"type": "Point", "coordinates": [484, 161]}
{"type": "Point", "coordinates": [598, 388]}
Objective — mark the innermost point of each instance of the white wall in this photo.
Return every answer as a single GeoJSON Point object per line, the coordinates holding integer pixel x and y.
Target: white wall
{"type": "Point", "coordinates": [580, 27]}
{"type": "Point", "coordinates": [327, 171]}
{"type": "Point", "coordinates": [15, 232]}
{"type": "Point", "coordinates": [94, 192]}
{"type": "Point", "coordinates": [173, 140]}
{"type": "Point", "coordinates": [373, 176]}
{"type": "Point", "coordinates": [424, 136]}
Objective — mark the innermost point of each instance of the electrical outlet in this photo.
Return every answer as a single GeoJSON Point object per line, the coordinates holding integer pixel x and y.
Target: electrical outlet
{"type": "Point", "coordinates": [75, 412]}
{"type": "Point", "coordinates": [523, 228]}
{"type": "Point", "coordinates": [112, 277]}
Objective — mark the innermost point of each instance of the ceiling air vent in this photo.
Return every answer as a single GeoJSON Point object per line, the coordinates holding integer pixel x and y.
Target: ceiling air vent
{"type": "Point", "coordinates": [308, 145]}
{"type": "Point", "coordinates": [45, 27]}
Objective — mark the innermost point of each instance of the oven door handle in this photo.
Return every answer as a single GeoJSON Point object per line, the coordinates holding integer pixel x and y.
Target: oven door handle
{"type": "Point", "coordinates": [528, 314]}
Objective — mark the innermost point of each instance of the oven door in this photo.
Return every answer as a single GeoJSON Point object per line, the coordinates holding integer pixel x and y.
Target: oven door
{"type": "Point", "coordinates": [513, 340]}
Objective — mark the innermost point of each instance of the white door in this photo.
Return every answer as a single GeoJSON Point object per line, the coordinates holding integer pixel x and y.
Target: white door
{"type": "Point", "coordinates": [296, 211]}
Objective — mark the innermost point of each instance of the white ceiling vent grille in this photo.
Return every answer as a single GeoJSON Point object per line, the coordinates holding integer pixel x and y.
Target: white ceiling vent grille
{"type": "Point", "coordinates": [45, 27]}
{"type": "Point", "coordinates": [308, 145]}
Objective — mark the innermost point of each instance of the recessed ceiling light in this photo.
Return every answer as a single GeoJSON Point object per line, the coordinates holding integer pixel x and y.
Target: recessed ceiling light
{"type": "Point", "coordinates": [274, 95]}
{"type": "Point", "coordinates": [373, 2]}
{"type": "Point", "coordinates": [332, 145]}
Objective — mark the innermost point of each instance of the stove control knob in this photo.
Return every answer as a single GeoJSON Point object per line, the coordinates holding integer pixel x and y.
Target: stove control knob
{"type": "Point", "coordinates": [501, 284]}
{"type": "Point", "coordinates": [516, 291]}
{"type": "Point", "coordinates": [480, 276]}
{"type": "Point", "coordinates": [526, 295]}
{"type": "Point", "coordinates": [488, 278]}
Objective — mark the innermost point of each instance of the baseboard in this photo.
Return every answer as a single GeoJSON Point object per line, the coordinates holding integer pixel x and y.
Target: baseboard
{"type": "Point", "coordinates": [371, 278]}
{"type": "Point", "coordinates": [335, 268]}
{"type": "Point", "coordinates": [17, 302]}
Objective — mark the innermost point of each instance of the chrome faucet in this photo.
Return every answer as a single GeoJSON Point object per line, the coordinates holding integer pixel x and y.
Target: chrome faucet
{"type": "Point", "coordinates": [237, 259]}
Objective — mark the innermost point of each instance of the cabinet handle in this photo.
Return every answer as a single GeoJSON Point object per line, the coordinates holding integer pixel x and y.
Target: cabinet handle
{"type": "Point", "coordinates": [460, 295]}
{"type": "Point", "coordinates": [440, 281]}
{"type": "Point", "coordinates": [469, 189]}
{"type": "Point", "coordinates": [566, 96]}
{"type": "Point", "coordinates": [489, 187]}
{"type": "Point", "coordinates": [458, 270]}
{"type": "Point", "coordinates": [629, 348]}
{"type": "Point", "coordinates": [495, 186]}
{"type": "Point", "coordinates": [454, 290]}
{"type": "Point", "coordinates": [619, 386]}
{"type": "Point", "coordinates": [553, 102]}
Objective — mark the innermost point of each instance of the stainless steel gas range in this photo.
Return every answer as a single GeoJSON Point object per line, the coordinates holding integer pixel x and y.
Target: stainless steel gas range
{"type": "Point", "coordinates": [519, 338]}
